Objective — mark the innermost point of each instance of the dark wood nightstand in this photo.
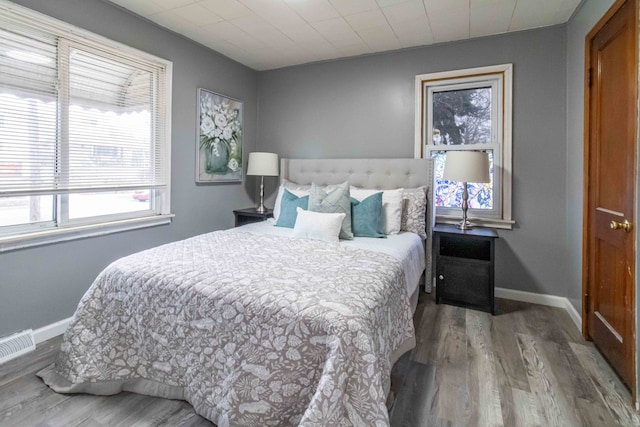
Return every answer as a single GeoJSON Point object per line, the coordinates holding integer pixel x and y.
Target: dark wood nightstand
{"type": "Point", "coordinates": [249, 215]}
{"type": "Point", "coordinates": [464, 266]}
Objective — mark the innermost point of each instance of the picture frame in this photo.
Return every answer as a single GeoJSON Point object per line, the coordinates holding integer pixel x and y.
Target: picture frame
{"type": "Point", "coordinates": [219, 151]}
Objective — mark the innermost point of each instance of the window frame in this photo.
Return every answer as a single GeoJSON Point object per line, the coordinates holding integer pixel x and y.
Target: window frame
{"type": "Point", "coordinates": [62, 228]}
{"type": "Point", "coordinates": [500, 78]}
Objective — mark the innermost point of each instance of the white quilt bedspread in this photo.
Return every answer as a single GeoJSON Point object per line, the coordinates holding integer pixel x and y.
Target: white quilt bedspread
{"type": "Point", "coordinates": [406, 247]}
{"type": "Point", "coordinates": [252, 330]}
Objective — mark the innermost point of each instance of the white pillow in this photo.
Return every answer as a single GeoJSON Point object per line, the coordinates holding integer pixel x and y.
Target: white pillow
{"type": "Point", "coordinates": [318, 226]}
{"type": "Point", "coordinates": [391, 206]}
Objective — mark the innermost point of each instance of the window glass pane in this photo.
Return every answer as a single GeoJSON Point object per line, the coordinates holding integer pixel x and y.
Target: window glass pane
{"type": "Point", "coordinates": [448, 194]}
{"type": "Point", "coordinates": [28, 111]}
{"type": "Point", "coordinates": [110, 129]}
{"type": "Point", "coordinates": [462, 117]}
{"type": "Point", "coordinates": [25, 210]}
{"type": "Point", "coordinates": [83, 205]}
{"type": "Point", "coordinates": [27, 142]}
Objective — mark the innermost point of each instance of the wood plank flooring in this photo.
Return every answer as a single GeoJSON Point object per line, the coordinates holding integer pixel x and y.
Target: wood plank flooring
{"type": "Point", "coordinates": [525, 366]}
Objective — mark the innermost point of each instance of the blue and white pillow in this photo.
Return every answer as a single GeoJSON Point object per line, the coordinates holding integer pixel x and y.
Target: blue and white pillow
{"type": "Point", "coordinates": [288, 205]}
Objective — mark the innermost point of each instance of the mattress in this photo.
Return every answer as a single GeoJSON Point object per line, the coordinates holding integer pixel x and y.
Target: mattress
{"type": "Point", "coordinates": [406, 247]}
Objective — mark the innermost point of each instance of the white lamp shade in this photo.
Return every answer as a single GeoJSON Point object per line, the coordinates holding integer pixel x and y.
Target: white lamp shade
{"type": "Point", "coordinates": [263, 164]}
{"type": "Point", "coordinates": [467, 166]}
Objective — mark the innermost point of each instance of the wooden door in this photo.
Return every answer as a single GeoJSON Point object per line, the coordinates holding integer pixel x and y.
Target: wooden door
{"type": "Point", "coordinates": [610, 158]}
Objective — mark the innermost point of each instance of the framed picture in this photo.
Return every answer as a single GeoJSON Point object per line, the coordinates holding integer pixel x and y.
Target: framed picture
{"type": "Point", "coordinates": [219, 141]}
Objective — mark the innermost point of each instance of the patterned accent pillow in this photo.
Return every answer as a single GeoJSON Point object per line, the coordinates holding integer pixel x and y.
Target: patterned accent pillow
{"type": "Point", "coordinates": [414, 208]}
{"type": "Point", "coordinates": [336, 201]}
{"type": "Point", "coordinates": [366, 217]}
{"type": "Point", "coordinates": [299, 190]}
{"type": "Point", "coordinates": [288, 211]}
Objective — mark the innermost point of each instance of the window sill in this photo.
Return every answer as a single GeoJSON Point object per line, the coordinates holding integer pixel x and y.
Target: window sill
{"type": "Point", "coordinates": [39, 238]}
{"type": "Point", "coordinates": [480, 222]}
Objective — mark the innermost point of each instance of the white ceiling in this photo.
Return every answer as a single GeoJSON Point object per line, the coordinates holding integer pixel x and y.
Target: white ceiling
{"type": "Point", "coordinates": [267, 34]}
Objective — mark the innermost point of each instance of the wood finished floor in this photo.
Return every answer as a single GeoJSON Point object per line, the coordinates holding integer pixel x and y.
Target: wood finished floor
{"type": "Point", "coordinates": [525, 366]}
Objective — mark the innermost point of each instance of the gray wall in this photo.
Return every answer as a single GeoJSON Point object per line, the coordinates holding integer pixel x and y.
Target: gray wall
{"type": "Point", "coordinates": [582, 22]}
{"type": "Point", "coordinates": [43, 285]}
{"type": "Point", "coordinates": [364, 107]}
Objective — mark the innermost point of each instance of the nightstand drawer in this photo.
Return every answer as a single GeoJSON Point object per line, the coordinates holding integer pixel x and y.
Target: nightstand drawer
{"type": "Point", "coordinates": [462, 281]}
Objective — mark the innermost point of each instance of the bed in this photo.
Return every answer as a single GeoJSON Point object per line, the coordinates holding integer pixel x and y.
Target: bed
{"type": "Point", "coordinates": [254, 327]}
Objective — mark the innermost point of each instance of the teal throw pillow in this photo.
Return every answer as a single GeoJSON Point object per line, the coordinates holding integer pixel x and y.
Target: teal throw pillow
{"type": "Point", "coordinates": [336, 201]}
{"type": "Point", "coordinates": [366, 217]}
{"type": "Point", "coordinates": [288, 205]}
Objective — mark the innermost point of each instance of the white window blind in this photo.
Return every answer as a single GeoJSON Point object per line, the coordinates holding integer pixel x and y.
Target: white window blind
{"type": "Point", "coordinates": [28, 108]}
{"type": "Point", "coordinates": [77, 118]}
{"type": "Point", "coordinates": [83, 121]}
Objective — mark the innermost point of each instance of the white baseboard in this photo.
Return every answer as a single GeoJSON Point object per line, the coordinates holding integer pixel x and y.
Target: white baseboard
{"type": "Point", "coordinates": [542, 299]}
{"type": "Point", "coordinates": [49, 331]}
{"type": "Point", "coordinates": [575, 316]}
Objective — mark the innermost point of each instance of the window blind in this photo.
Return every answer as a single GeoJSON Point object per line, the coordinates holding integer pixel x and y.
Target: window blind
{"type": "Point", "coordinates": [76, 116]}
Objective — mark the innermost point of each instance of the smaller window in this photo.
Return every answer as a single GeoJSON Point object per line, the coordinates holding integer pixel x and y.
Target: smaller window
{"type": "Point", "coordinates": [468, 110]}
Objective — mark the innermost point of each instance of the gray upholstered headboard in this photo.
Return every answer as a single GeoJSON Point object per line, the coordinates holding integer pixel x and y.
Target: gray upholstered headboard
{"type": "Point", "coordinates": [384, 174]}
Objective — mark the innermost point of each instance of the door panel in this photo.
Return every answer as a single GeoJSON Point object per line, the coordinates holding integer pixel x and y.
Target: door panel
{"type": "Point", "coordinates": [609, 271]}
{"type": "Point", "coordinates": [610, 176]}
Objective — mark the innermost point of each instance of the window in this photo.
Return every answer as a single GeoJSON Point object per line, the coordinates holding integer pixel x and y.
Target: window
{"type": "Point", "coordinates": [468, 110]}
{"type": "Point", "coordinates": [84, 136]}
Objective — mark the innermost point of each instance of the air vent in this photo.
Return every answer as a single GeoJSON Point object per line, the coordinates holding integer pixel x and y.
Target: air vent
{"type": "Point", "coordinates": [16, 345]}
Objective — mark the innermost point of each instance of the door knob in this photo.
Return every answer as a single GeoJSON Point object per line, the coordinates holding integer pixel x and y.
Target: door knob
{"type": "Point", "coordinates": [626, 225]}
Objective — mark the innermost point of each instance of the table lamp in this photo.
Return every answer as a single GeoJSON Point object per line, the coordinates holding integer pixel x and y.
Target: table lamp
{"type": "Point", "coordinates": [262, 164]}
{"type": "Point", "coordinates": [466, 166]}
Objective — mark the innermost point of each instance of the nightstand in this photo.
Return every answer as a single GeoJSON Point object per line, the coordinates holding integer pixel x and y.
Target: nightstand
{"type": "Point", "coordinates": [249, 215]}
{"type": "Point", "coordinates": [464, 266]}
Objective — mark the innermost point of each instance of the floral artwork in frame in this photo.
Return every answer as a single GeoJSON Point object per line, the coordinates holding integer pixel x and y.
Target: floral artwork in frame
{"type": "Point", "coordinates": [219, 149]}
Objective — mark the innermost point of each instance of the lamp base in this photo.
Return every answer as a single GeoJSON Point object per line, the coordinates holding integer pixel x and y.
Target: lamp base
{"type": "Point", "coordinates": [261, 208]}
{"type": "Point", "coordinates": [464, 225]}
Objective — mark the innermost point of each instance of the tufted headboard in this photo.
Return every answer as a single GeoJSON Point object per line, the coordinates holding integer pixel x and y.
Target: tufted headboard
{"type": "Point", "coordinates": [383, 174]}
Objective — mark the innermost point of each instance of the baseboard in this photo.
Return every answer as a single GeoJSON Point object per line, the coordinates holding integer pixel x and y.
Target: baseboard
{"type": "Point", "coordinates": [575, 316]}
{"type": "Point", "coordinates": [542, 299]}
{"type": "Point", "coordinates": [52, 330]}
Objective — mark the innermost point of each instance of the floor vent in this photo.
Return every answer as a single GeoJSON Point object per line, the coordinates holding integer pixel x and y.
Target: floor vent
{"type": "Point", "coordinates": [16, 345]}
